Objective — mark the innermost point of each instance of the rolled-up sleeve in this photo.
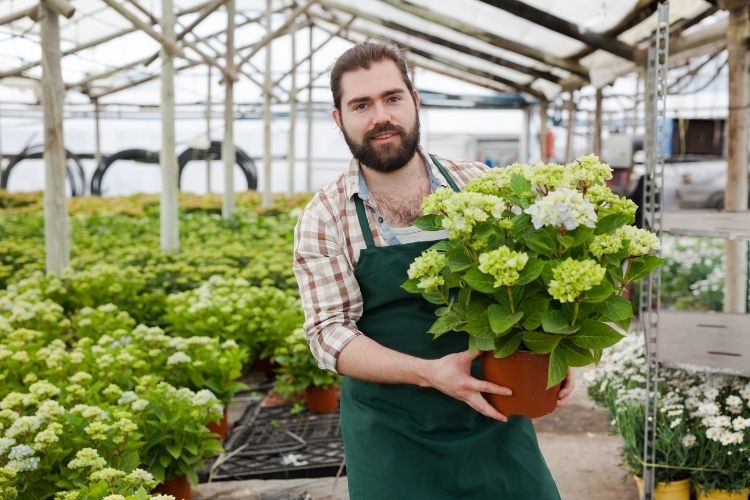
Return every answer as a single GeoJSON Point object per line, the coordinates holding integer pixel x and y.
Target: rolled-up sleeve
{"type": "Point", "coordinates": [331, 298]}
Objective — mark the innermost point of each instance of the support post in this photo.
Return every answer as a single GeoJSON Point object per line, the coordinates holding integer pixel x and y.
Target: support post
{"type": "Point", "coordinates": [56, 244]}
{"type": "Point", "coordinates": [736, 191]}
{"type": "Point", "coordinates": [97, 133]}
{"type": "Point", "coordinates": [208, 133]}
{"type": "Point", "coordinates": [227, 145]}
{"type": "Point", "coordinates": [291, 153]}
{"type": "Point", "coordinates": [524, 142]}
{"type": "Point", "coordinates": [267, 192]}
{"type": "Point", "coordinates": [308, 159]}
{"type": "Point", "coordinates": [543, 130]}
{"type": "Point", "coordinates": [571, 124]}
{"type": "Point", "coordinates": [598, 123]}
{"type": "Point", "coordinates": [170, 237]}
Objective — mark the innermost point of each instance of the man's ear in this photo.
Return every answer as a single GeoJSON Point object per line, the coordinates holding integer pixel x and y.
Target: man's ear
{"type": "Point", "coordinates": [336, 114]}
{"type": "Point", "coordinates": [415, 96]}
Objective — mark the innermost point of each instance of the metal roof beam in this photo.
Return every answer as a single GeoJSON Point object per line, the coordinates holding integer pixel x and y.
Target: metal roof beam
{"type": "Point", "coordinates": [571, 30]}
{"type": "Point", "coordinates": [504, 43]}
{"type": "Point", "coordinates": [447, 62]}
{"type": "Point", "coordinates": [500, 61]}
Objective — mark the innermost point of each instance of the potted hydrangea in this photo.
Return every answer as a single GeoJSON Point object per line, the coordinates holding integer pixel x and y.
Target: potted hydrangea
{"type": "Point", "coordinates": [534, 270]}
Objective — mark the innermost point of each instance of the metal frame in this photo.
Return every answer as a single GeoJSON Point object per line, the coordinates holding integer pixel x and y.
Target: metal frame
{"type": "Point", "coordinates": [650, 300]}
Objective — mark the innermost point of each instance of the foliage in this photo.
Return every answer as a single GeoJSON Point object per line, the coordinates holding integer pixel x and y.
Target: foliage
{"type": "Point", "coordinates": [537, 256]}
{"type": "Point", "coordinates": [297, 369]}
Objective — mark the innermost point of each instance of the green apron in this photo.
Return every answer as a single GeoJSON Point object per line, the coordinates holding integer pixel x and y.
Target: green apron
{"type": "Point", "coordinates": [405, 442]}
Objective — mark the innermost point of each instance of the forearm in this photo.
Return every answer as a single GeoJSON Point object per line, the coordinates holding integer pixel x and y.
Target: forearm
{"type": "Point", "coordinates": [365, 359]}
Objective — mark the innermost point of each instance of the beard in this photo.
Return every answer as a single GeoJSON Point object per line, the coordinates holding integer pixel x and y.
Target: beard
{"type": "Point", "coordinates": [388, 157]}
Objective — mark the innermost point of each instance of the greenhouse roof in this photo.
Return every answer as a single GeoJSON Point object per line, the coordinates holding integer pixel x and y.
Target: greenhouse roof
{"type": "Point", "coordinates": [535, 48]}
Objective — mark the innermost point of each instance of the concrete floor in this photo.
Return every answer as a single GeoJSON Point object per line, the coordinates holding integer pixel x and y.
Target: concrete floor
{"type": "Point", "coordinates": [575, 441]}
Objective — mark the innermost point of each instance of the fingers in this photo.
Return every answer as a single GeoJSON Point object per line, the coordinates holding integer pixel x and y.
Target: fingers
{"type": "Point", "coordinates": [481, 405]}
{"type": "Point", "coordinates": [566, 390]}
{"type": "Point", "coordinates": [489, 387]}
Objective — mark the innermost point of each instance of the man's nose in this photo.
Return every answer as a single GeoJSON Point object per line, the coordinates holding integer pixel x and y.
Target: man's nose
{"type": "Point", "coordinates": [380, 113]}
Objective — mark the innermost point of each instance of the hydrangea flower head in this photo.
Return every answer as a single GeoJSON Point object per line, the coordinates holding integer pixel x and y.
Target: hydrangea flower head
{"type": "Point", "coordinates": [640, 241]}
{"type": "Point", "coordinates": [562, 208]}
{"type": "Point", "coordinates": [426, 270]}
{"type": "Point", "coordinates": [503, 264]}
{"type": "Point", "coordinates": [573, 277]}
{"type": "Point", "coordinates": [587, 171]}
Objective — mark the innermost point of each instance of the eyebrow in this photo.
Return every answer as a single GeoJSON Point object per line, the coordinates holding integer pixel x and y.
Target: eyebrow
{"type": "Point", "coordinates": [393, 91]}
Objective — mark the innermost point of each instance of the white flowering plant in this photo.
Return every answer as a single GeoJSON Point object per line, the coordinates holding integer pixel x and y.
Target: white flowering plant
{"type": "Point", "coordinates": [703, 419]}
{"type": "Point", "coordinates": [537, 257]}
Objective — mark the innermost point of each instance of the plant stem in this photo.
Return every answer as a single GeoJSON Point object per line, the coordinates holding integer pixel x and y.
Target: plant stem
{"type": "Point", "coordinates": [510, 299]}
{"type": "Point", "coordinates": [575, 313]}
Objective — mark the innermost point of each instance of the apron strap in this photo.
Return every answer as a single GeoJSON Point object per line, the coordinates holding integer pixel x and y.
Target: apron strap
{"type": "Point", "coordinates": [363, 222]}
{"type": "Point", "coordinates": [445, 173]}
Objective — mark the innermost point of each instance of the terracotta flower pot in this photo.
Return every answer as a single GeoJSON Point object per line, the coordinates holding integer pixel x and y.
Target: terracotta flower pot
{"type": "Point", "coordinates": [723, 494]}
{"type": "Point", "coordinates": [676, 490]}
{"type": "Point", "coordinates": [221, 427]}
{"type": "Point", "coordinates": [320, 400]}
{"type": "Point", "coordinates": [178, 487]}
{"type": "Point", "coordinates": [525, 373]}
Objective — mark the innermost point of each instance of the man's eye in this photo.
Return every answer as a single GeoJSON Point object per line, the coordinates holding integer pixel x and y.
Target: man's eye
{"type": "Point", "coordinates": [360, 107]}
{"type": "Point", "coordinates": [394, 98]}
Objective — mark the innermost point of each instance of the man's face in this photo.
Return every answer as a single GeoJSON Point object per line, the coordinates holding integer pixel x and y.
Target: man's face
{"type": "Point", "coordinates": [378, 116]}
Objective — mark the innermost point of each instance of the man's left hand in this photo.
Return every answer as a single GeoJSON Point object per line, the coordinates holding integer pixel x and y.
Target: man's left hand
{"type": "Point", "coordinates": [566, 388]}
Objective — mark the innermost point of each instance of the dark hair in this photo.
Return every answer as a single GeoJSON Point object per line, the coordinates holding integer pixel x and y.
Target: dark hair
{"type": "Point", "coordinates": [362, 56]}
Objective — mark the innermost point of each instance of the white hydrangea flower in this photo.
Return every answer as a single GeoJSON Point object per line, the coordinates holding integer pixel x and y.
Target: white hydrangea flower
{"type": "Point", "coordinates": [87, 458]}
{"type": "Point", "coordinates": [562, 208]}
{"type": "Point", "coordinates": [127, 397]}
{"type": "Point", "coordinates": [179, 358]}
{"type": "Point", "coordinates": [5, 444]}
{"type": "Point", "coordinates": [740, 423]}
{"type": "Point", "coordinates": [139, 404]}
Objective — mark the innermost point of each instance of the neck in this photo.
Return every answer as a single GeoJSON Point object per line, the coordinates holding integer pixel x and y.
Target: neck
{"type": "Point", "coordinates": [413, 172]}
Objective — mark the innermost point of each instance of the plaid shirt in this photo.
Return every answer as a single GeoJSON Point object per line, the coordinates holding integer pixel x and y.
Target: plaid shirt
{"type": "Point", "coordinates": [327, 242]}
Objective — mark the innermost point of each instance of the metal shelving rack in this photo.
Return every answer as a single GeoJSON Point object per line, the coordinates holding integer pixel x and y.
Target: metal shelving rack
{"type": "Point", "coordinates": [710, 341]}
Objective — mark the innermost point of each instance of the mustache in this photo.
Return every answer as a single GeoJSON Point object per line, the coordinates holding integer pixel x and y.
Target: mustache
{"type": "Point", "coordinates": [383, 128]}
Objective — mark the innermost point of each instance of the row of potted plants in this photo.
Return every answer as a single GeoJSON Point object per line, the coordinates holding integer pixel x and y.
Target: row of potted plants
{"type": "Point", "coordinates": [702, 428]}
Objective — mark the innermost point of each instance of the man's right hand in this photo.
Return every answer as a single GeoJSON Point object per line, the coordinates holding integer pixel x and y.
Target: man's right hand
{"type": "Point", "coordinates": [451, 375]}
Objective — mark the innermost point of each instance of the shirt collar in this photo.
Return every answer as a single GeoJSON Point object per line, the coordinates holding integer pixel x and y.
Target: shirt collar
{"type": "Point", "coordinates": [354, 182]}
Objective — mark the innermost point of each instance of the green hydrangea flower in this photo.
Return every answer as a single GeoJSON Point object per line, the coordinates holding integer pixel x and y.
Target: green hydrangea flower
{"type": "Point", "coordinates": [426, 270]}
{"type": "Point", "coordinates": [573, 277]}
{"type": "Point", "coordinates": [587, 171]}
{"type": "Point", "coordinates": [503, 264]}
{"type": "Point", "coordinates": [433, 204]}
{"type": "Point", "coordinates": [551, 175]}
{"type": "Point", "coordinates": [605, 244]}
{"type": "Point", "coordinates": [603, 197]}
{"type": "Point", "coordinates": [463, 210]}
{"type": "Point", "coordinates": [640, 241]}
{"type": "Point", "coordinates": [496, 180]}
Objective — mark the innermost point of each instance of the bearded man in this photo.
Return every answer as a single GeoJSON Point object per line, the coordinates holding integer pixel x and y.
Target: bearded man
{"type": "Point", "coordinates": [413, 418]}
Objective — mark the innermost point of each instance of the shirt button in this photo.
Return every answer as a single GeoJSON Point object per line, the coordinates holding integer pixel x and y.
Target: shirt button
{"type": "Point", "coordinates": [380, 219]}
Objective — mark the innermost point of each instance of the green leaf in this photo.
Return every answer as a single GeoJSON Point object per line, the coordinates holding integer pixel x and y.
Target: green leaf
{"type": "Point", "coordinates": [555, 321]}
{"type": "Point", "coordinates": [558, 367]}
{"type": "Point", "coordinates": [565, 240]}
{"type": "Point", "coordinates": [433, 298]}
{"type": "Point", "coordinates": [610, 222]}
{"type": "Point", "coordinates": [479, 281]}
{"type": "Point", "coordinates": [616, 309]}
{"type": "Point", "coordinates": [430, 222]}
{"type": "Point", "coordinates": [519, 184]}
{"type": "Point", "coordinates": [541, 242]}
{"type": "Point", "coordinates": [175, 450]}
{"type": "Point", "coordinates": [599, 293]}
{"type": "Point", "coordinates": [521, 225]}
{"type": "Point", "coordinates": [580, 235]}
{"type": "Point", "coordinates": [507, 345]}
{"type": "Point", "coordinates": [483, 344]}
{"type": "Point", "coordinates": [595, 335]}
{"type": "Point", "coordinates": [478, 326]}
{"type": "Point", "coordinates": [575, 355]}
{"type": "Point", "coordinates": [530, 271]}
{"type": "Point", "coordinates": [534, 309]}
{"type": "Point", "coordinates": [500, 320]}
{"type": "Point", "coordinates": [445, 323]}
{"type": "Point", "coordinates": [540, 343]}
{"type": "Point", "coordinates": [642, 266]}
{"type": "Point", "coordinates": [441, 246]}
{"type": "Point", "coordinates": [411, 286]}
{"type": "Point", "coordinates": [458, 260]}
